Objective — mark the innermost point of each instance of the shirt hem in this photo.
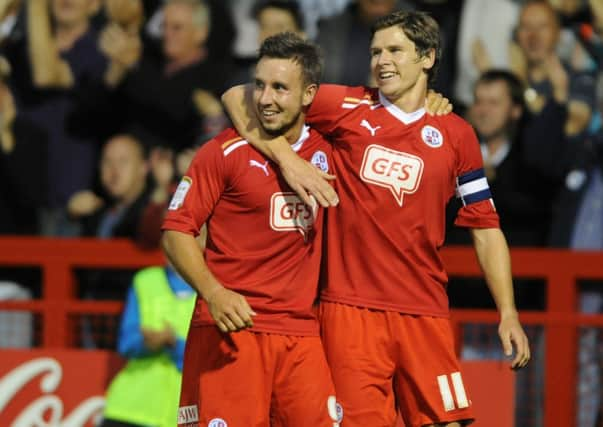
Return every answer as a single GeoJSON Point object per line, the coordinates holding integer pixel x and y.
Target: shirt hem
{"type": "Point", "coordinates": [267, 330]}
{"type": "Point", "coordinates": [383, 306]}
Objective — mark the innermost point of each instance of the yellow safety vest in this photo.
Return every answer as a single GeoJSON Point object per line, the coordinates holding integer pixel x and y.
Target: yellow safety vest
{"type": "Point", "coordinates": [147, 390]}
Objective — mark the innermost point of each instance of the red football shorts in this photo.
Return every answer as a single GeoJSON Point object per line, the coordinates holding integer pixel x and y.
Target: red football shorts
{"type": "Point", "coordinates": [381, 359]}
{"type": "Point", "coordinates": [249, 379]}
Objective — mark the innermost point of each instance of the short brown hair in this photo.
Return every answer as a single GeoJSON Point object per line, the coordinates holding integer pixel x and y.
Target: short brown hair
{"type": "Point", "coordinates": [303, 52]}
{"type": "Point", "coordinates": [421, 29]}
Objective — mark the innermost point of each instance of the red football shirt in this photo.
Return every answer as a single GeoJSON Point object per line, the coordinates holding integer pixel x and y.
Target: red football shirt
{"type": "Point", "coordinates": [262, 240]}
{"type": "Point", "coordinates": [395, 174]}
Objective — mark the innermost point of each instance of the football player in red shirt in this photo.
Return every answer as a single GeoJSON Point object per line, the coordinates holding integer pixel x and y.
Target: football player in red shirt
{"type": "Point", "coordinates": [384, 308]}
{"type": "Point", "coordinates": [253, 354]}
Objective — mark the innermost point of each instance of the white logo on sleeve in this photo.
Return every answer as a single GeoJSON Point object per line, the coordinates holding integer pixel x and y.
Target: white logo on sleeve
{"type": "Point", "coordinates": [289, 213]}
{"type": "Point", "coordinates": [372, 130]}
{"type": "Point", "coordinates": [180, 193]}
{"type": "Point", "coordinates": [263, 166]}
{"type": "Point", "coordinates": [217, 422]}
{"type": "Point", "coordinates": [398, 171]}
{"type": "Point", "coordinates": [188, 415]}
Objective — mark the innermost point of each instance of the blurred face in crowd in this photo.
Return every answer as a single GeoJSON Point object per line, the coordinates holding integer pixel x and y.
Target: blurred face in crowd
{"type": "Point", "coordinates": [182, 37]}
{"type": "Point", "coordinates": [272, 20]}
{"type": "Point", "coordinates": [395, 64]}
{"type": "Point", "coordinates": [493, 112]}
{"type": "Point", "coordinates": [279, 95]}
{"type": "Point", "coordinates": [538, 32]}
{"type": "Point", "coordinates": [123, 168]}
{"type": "Point", "coordinates": [73, 12]}
{"type": "Point", "coordinates": [370, 10]}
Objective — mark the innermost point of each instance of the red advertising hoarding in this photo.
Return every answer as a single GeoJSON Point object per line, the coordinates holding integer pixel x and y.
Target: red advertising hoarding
{"type": "Point", "coordinates": [65, 388]}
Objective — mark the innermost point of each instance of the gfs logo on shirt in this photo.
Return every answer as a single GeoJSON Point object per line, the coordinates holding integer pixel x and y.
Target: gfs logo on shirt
{"type": "Point", "coordinates": [289, 213]}
{"type": "Point", "coordinates": [398, 171]}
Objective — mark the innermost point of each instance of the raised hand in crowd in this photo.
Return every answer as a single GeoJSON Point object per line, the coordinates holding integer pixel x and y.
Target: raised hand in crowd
{"type": "Point", "coordinates": [49, 69]}
{"type": "Point", "coordinates": [84, 203]}
{"type": "Point", "coordinates": [127, 14]}
{"type": "Point", "coordinates": [123, 48]}
{"type": "Point", "coordinates": [480, 55]}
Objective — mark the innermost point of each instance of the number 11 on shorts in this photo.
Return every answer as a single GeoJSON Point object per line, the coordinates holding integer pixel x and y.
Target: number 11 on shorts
{"type": "Point", "coordinates": [459, 391]}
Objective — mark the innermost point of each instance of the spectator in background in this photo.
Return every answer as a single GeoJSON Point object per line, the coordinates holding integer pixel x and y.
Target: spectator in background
{"type": "Point", "coordinates": [221, 33]}
{"type": "Point", "coordinates": [123, 175]}
{"type": "Point", "coordinates": [547, 77]}
{"type": "Point", "coordinates": [123, 171]}
{"type": "Point", "coordinates": [51, 66]}
{"type": "Point", "coordinates": [169, 112]}
{"type": "Point", "coordinates": [23, 147]}
{"type": "Point", "coordinates": [578, 224]}
{"type": "Point", "coordinates": [272, 17]}
{"type": "Point", "coordinates": [345, 39]}
{"type": "Point", "coordinates": [152, 338]}
{"type": "Point", "coordinates": [516, 144]}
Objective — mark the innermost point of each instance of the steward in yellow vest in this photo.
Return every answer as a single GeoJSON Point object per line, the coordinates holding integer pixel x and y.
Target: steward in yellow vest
{"type": "Point", "coordinates": [152, 336]}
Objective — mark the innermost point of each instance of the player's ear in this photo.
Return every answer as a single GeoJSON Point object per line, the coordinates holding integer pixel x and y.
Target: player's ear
{"type": "Point", "coordinates": [309, 93]}
{"type": "Point", "coordinates": [428, 60]}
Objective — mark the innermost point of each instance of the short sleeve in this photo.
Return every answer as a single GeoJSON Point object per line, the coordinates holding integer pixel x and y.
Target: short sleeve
{"type": "Point", "coordinates": [472, 188]}
{"type": "Point", "coordinates": [326, 108]}
{"type": "Point", "coordinates": [198, 191]}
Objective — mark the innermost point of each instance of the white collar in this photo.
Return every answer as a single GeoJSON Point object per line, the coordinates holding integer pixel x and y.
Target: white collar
{"type": "Point", "coordinates": [406, 118]}
{"type": "Point", "coordinates": [305, 134]}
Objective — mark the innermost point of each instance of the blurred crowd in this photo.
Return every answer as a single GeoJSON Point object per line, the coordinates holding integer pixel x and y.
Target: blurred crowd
{"type": "Point", "coordinates": [103, 102]}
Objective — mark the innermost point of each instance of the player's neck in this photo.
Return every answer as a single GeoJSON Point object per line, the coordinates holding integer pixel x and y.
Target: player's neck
{"type": "Point", "coordinates": [294, 133]}
{"type": "Point", "coordinates": [412, 99]}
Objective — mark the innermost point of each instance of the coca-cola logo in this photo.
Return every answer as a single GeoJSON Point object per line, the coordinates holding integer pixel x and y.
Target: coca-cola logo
{"type": "Point", "coordinates": [48, 409]}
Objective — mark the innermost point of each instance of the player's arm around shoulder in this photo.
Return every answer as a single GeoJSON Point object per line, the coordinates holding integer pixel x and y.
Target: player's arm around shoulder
{"type": "Point", "coordinates": [494, 258]}
{"type": "Point", "coordinates": [304, 179]}
{"type": "Point", "coordinates": [437, 104]}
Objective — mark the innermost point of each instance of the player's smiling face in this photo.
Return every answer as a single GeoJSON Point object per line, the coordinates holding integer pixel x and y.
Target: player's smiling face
{"type": "Point", "coordinates": [279, 95]}
{"type": "Point", "coordinates": [395, 64]}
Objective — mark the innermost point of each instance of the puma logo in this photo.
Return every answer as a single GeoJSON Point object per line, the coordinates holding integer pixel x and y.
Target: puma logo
{"type": "Point", "coordinates": [257, 164]}
{"type": "Point", "coordinates": [372, 130]}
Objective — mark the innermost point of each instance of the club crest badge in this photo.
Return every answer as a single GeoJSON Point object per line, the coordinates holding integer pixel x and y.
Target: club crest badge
{"type": "Point", "coordinates": [319, 159]}
{"type": "Point", "coordinates": [432, 137]}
